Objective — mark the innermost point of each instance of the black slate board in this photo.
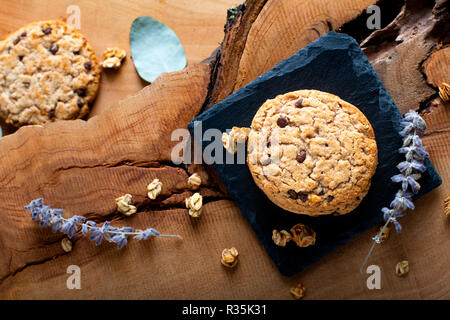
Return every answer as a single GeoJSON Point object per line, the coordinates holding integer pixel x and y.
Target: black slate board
{"type": "Point", "coordinates": [334, 63]}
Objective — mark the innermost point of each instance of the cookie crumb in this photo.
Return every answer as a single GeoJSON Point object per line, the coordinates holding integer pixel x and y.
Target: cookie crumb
{"type": "Point", "coordinates": [280, 238]}
{"type": "Point", "coordinates": [113, 57]}
{"type": "Point", "coordinates": [154, 189]}
{"type": "Point", "coordinates": [194, 204]}
{"type": "Point", "coordinates": [236, 135]}
{"type": "Point", "coordinates": [298, 292]}
{"type": "Point", "coordinates": [66, 244]}
{"type": "Point", "coordinates": [303, 235]}
{"type": "Point", "coordinates": [194, 181]}
{"type": "Point", "coordinates": [124, 205]}
{"type": "Point", "coordinates": [402, 268]}
{"type": "Point", "coordinates": [229, 257]}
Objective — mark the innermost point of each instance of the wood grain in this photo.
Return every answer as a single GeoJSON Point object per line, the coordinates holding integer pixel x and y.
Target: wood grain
{"type": "Point", "coordinates": [284, 27]}
{"type": "Point", "coordinates": [105, 23]}
{"type": "Point", "coordinates": [82, 166]}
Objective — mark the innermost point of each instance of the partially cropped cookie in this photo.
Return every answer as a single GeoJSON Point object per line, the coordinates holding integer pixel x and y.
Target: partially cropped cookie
{"type": "Point", "coordinates": [312, 153]}
{"type": "Point", "coordinates": [48, 72]}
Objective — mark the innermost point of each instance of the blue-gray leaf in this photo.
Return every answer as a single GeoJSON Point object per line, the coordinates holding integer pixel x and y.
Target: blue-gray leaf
{"type": "Point", "coordinates": [155, 48]}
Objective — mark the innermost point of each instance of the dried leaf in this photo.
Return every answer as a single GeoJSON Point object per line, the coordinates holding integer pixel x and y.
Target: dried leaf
{"type": "Point", "coordinates": [155, 48]}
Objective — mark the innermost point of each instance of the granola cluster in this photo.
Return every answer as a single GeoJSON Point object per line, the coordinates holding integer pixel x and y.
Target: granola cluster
{"type": "Point", "coordinates": [280, 238]}
{"type": "Point", "coordinates": [195, 204]}
{"type": "Point", "coordinates": [298, 291]}
{"type": "Point", "coordinates": [235, 136]}
{"type": "Point", "coordinates": [229, 257]}
{"type": "Point", "coordinates": [402, 268]}
{"type": "Point", "coordinates": [194, 181]}
{"type": "Point", "coordinates": [66, 244]}
{"type": "Point", "coordinates": [154, 189]}
{"type": "Point", "coordinates": [113, 57]}
{"type": "Point", "coordinates": [124, 205]}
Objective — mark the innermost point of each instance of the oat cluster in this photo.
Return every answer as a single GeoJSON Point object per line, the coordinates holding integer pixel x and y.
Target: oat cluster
{"type": "Point", "coordinates": [113, 57]}
{"type": "Point", "coordinates": [229, 257]}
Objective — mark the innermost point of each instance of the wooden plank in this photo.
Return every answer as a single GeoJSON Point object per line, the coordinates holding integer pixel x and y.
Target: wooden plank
{"type": "Point", "coordinates": [198, 24]}
{"type": "Point", "coordinates": [119, 151]}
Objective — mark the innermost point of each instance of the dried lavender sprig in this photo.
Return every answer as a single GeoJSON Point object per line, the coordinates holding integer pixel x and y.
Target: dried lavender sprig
{"type": "Point", "coordinates": [412, 128]}
{"type": "Point", "coordinates": [53, 218]}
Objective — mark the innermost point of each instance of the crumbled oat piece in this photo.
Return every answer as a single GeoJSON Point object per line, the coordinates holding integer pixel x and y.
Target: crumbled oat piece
{"type": "Point", "coordinates": [229, 257]}
{"type": "Point", "coordinates": [303, 235]}
{"type": "Point", "coordinates": [66, 244]}
{"type": "Point", "coordinates": [402, 268]}
{"type": "Point", "coordinates": [385, 233]}
{"type": "Point", "coordinates": [113, 57]}
{"type": "Point", "coordinates": [111, 63]}
{"type": "Point", "coordinates": [194, 181]}
{"type": "Point", "coordinates": [194, 204]}
{"type": "Point", "coordinates": [226, 141]}
{"type": "Point", "coordinates": [154, 189]}
{"type": "Point", "coordinates": [280, 238]}
{"type": "Point", "coordinates": [444, 91]}
{"type": "Point", "coordinates": [298, 292]}
{"type": "Point", "coordinates": [124, 205]}
{"type": "Point", "coordinates": [236, 135]}
{"type": "Point", "coordinates": [447, 207]}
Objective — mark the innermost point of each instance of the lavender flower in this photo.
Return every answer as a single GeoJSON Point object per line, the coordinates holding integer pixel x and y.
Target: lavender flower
{"type": "Point", "coordinates": [408, 181]}
{"type": "Point", "coordinates": [145, 234]}
{"type": "Point", "coordinates": [411, 129]}
{"type": "Point", "coordinates": [49, 217]}
{"type": "Point", "coordinates": [402, 201]}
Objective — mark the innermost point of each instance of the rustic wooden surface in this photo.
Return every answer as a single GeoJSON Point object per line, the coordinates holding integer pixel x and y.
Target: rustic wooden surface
{"type": "Point", "coordinates": [197, 23]}
{"type": "Point", "coordinates": [82, 166]}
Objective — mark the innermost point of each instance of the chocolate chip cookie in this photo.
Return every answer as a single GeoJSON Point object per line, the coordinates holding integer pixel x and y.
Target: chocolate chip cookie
{"type": "Point", "coordinates": [312, 153]}
{"type": "Point", "coordinates": [48, 71]}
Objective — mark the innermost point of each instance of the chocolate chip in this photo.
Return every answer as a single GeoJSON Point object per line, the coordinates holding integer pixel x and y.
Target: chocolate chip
{"type": "Point", "coordinates": [47, 30]}
{"type": "Point", "coordinates": [321, 193]}
{"type": "Point", "coordinates": [24, 34]}
{"type": "Point", "coordinates": [88, 65]}
{"type": "Point", "coordinates": [301, 156]}
{"type": "Point", "coordinates": [20, 57]}
{"type": "Point", "coordinates": [51, 114]}
{"type": "Point", "coordinates": [80, 103]}
{"type": "Point", "coordinates": [16, 41]}
{"type": "Point", "coordinates": [76, 52]}
{"type": "Point", "coordinates": [299, 103]}
{"type": "Point", "coordinates": [9, 49]}
{"type": "Point", "coordinates": [54, 48]}
{"type": "Point", "coordinates": [292, 194]}
{"type": "Point", "coordinates": [81, 92]}
{"type": "Point", "coordinates": [302, 196]}
{"type": "Point", "coordinates": [26, 84]}
{"type": "Point", "coordinates": [326, 145]}
{"type": "Point", "coordinates": [330, 198]}
{"type": "Point", "coordinates": [282, 122]}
